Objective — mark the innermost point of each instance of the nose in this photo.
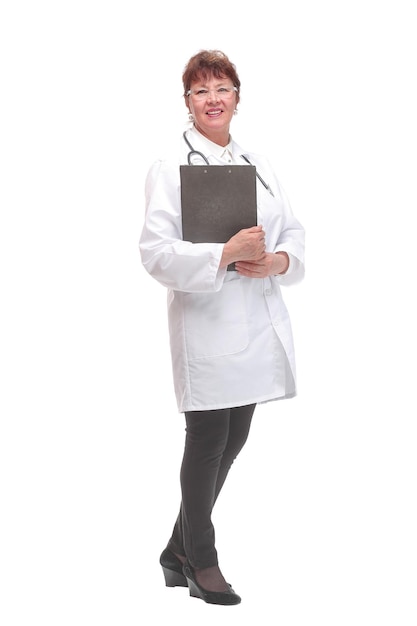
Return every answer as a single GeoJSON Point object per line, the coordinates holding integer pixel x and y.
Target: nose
{"type": "Point", "coordinates": [212, 95]}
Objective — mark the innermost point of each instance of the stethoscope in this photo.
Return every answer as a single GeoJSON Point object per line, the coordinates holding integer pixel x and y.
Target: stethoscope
{"type": "Point", "coordinates": [193, 153]}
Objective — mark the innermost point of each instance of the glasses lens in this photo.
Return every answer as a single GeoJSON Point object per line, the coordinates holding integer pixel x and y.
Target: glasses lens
{"type": "Point", "coordinates": [220, 92]}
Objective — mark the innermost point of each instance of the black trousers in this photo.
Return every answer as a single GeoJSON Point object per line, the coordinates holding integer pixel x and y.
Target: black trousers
{"type": "Point", "coordinates": [213, 441]}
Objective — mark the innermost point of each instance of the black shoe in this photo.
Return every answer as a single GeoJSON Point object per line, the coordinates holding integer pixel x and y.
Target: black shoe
{"type": "Point", "coordinates": [211, 597]}
{"type": "Point", "coordinates": [172, 569]}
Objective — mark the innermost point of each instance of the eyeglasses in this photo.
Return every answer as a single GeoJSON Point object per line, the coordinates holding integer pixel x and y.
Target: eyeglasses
{"type": "Point", "coordinates": [203, 94]}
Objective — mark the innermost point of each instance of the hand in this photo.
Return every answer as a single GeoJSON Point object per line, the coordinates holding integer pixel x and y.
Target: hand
{"type": "Point", "coordinates": [248, 244]}
{"type": "Point", "coordinates": [269, 264]}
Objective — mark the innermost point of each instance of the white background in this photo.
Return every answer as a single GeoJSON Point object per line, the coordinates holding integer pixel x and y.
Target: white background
{"type": "Point", "coordinates": [317, 522]}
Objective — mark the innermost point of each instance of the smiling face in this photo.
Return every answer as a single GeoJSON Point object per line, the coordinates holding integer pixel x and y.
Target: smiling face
{"type": "Point", "coordinates": [213, 111]}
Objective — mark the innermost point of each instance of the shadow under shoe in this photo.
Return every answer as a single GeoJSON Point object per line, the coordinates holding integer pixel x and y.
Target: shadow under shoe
{"type": "Point", "coordinates": [172, 569]}
{"type": "Point", "coordinates": [225, 598]}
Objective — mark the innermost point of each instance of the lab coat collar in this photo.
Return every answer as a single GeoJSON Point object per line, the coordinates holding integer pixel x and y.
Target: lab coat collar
{"type": "Point", "coordinates": [207, 147]}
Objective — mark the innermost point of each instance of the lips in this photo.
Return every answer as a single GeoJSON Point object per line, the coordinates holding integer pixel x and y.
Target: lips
{"type": "Point", "coordinates": [214, 112]}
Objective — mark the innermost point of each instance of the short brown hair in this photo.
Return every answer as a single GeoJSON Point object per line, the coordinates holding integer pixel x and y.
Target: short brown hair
{"type": "Point", "coordinates": [208, 63]}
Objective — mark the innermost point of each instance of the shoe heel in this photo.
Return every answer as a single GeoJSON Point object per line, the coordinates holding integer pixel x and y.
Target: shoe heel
{"type": "Point", "coordinates": [173, 579]}
{"type": "Point", "coordinates": [193, 589]}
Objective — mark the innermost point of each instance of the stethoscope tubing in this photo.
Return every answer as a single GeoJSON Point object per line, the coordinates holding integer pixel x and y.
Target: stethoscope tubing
{"type": "Point", "coordinates": [200, 154]}
{"type": "Point", "coordinates": [193, 152]}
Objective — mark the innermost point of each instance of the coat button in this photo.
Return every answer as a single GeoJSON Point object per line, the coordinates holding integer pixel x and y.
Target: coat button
{"type": "Point", "coordinates": [268, 292]}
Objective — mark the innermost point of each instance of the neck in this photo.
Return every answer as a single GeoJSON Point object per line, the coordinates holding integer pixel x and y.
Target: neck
{"type": "Point", "coordinates": [220, 137]}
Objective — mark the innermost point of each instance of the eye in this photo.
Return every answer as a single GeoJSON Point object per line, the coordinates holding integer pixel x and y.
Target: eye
{"type": "Point", "coordinates": [223, 90]}
{"type": "Point", "coordinates": [201, 92]}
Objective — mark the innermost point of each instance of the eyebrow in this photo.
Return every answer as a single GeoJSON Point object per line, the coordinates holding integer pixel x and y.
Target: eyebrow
{"type": "Point", "coordinates": [216, 85]}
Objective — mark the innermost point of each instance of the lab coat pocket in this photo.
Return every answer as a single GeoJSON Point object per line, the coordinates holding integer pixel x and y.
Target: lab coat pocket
{"type": "Point", "coordinates": [216, 323]}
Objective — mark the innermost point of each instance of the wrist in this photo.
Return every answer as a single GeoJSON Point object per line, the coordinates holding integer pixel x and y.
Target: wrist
{"type": "Point", "coordinates": [227, 256]}
{"type": "Point", "coordinates": [283, 262]}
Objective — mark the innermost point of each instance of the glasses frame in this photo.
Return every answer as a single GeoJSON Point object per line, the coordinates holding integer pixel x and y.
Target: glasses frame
{"type": "Point", "coordinates": [230, 90]}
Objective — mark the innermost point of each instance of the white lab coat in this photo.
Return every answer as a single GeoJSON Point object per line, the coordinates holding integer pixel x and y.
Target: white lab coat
{"type": "Point", "coordinates": [230, 336]}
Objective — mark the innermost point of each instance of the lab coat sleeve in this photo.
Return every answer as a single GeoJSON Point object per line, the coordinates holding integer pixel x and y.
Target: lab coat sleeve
{"type": "Point", "coordinates": [176, 264]}
{"type": "Point", "coordinates": [283, 231]}
{"type": "Point", "coordinates": [291, 240]}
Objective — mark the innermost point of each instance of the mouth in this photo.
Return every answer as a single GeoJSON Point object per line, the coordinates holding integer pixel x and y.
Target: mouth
{"type": "Point", "coordinates": [214, 112]}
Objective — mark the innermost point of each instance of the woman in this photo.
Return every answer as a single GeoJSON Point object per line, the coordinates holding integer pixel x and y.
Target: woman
{"type": "Point", "coordinates": [230, 335]}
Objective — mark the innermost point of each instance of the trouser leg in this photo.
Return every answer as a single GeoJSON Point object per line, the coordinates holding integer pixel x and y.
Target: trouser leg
{"type": "Point", "coordinates": [213, 441]}
{"type": "Point", "coordinates": [239, 426]}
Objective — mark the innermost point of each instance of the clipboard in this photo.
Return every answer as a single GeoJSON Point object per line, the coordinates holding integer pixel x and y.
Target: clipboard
{"type": "Point", "coordinates": [217, 201]}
